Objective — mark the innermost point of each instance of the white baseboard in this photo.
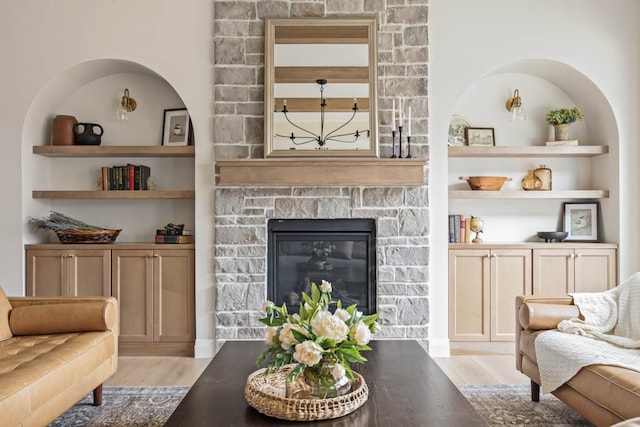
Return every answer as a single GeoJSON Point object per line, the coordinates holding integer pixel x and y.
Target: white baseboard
{"type": "Point", "coordinates": [439, 347]}
{"type": "Point", "coordinates": [204, 348]}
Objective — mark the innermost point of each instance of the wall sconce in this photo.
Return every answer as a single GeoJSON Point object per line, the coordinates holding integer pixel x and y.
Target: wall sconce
{"type": "Point", "coordinates": [514, 105]}
{"type": "Point", "coordinates": [127, 105]}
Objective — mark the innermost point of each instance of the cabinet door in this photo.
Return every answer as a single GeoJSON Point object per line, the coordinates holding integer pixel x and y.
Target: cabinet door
{"type": "Point", "coordinates": [90, 272]}
{"type": "Point", "coordinates": [132, 285]}
{"type": "Point", "coordinates": [553, 271]}
{"type": "Point", "coordinates": [174, 295]}
{"type": "Point", "coordinates": [469, 287]}
{"type": "Point", "coordinates": [510, 276]}
{"type": "Point", "coordinates": [47, 272]}
{"type": "Point", "coordinates": [595, 270]}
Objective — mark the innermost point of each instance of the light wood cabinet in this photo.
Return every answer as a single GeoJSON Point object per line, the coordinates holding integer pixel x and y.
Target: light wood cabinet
{"type": "Point", "coordinates": [155, 289]}
{"type": "Point", "coordinates": [483, 284]}
{"type": "Point", "coordinates": [560, 271]}
{"type": "Point", "coordinates": [484, 280]}
{"type": "Point", "coordinates": [68, 272]}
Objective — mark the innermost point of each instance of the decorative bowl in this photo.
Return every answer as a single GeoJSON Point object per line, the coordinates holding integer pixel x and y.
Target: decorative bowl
{"type": "Point", "coordinates": [551, 236]}
{"type": "Point", "coordinates": [491, 183]}
{"type": "Point", "coordinates": [86, 236]}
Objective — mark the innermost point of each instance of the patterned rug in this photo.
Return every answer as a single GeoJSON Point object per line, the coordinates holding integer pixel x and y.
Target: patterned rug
{"type": "Point", "coordinates": [511, 405]}
{"type": "Point", "coordinates": [499, 405]}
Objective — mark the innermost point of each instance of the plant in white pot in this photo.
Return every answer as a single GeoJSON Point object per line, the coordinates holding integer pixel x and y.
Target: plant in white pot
{"type": "Point", "coordinates": [561, 120]}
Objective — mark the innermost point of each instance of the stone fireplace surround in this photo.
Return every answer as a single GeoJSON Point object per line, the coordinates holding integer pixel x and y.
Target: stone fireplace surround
{"type": "Point", "coordinates": [402, 223]}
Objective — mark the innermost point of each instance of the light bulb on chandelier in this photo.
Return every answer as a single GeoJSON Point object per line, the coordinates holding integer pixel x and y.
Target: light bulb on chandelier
{"type": "Point", "coordinates": [126, 107]}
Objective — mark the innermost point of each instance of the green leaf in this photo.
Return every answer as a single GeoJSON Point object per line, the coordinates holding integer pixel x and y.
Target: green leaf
{"type": "Point", "coordinates": [308, 299]}
{"type": "Point", "coordinates": [300, 337]}
{"type": "Point", "coordinates": [315, 292]}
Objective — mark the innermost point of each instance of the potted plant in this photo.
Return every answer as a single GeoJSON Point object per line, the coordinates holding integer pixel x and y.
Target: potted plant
{"type": "Point", "coordinates": [561, 120]}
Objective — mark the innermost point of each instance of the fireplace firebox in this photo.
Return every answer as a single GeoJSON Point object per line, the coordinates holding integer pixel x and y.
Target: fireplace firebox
{"type": "Point", "coordinates": [341, 251]}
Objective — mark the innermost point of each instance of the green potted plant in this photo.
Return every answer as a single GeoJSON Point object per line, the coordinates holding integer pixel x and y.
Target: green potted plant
{"type": "Point", "coordinates": [561, 120]}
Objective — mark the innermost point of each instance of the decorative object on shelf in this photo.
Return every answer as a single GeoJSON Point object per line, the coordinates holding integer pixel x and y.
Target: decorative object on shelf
{"type": "Point", "coordinates": [581, 221]}
{"type": "Point", "coordinates": [457, 135]}
{"type": "Point", "coordinates": [553, 236]}
{"type": "Point", "coordinates": [480, 136]}
{"type": "Point", "coordinates": [531, 182]}
{"type": "Point", "coordinates": [544, 174]}
{"type": "Point", "coordinates": [400, 127]}
{"type": "Point", "coordinates": [174, 233]}
{"type": "Point", "coordinates": [476, 225]}
{"type": "Point", "coordinates": [126, 177]}
{"type": "Point", "coordinates": [485, 183]}
{"type": "Point", "coordinates": [127, 106]}
{"type": "Point", "coordinates": [152, 183]}
{"type": "Point", "coordinates": [88, 133]}
{"type": "Point", "coordinates": [62, 130]}
{"type": "Point", "coordinates": [176, 127]}
{"type": "Point", "coordinates": [71, 230]}
{"type": "Point", "coordinates": [515, 107]}
{"type": "Point", "coordinates": [321, 343]}
{"type": "Point", "coordinates": [561, 120]}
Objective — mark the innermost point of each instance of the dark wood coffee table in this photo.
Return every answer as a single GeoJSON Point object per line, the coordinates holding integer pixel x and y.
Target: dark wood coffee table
{"type": "Point", "coordinates": [406, 388]}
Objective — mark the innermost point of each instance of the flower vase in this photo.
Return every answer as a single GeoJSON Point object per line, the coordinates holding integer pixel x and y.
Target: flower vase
{"type": "Point", "coordinates": [318, 382]}
{"type": "Point", "coordinates": [562, 131]}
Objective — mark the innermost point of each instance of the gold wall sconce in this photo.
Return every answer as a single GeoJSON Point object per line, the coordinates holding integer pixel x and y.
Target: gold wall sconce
{"type": "Point", "coordinates": [515, 107]}
{"type": "Point", "coordinates": [127, 106]}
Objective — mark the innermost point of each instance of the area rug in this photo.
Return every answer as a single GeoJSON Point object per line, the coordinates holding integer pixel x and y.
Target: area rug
{"type": "Point", "coordinates": [125, 406]}
{"type": "Point", "coordinates": [511, 405]}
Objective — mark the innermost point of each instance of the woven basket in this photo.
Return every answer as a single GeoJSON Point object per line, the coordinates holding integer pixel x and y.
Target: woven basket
{"type": "Point", "coordinates": [87, 236]}
{"type": "Point", "coordinates": [266, 393]}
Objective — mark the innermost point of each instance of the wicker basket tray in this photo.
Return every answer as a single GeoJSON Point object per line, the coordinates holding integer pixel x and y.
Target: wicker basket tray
{"type": "Point", "coordinates": [84, 236]}
{"type": "Point", "coordinates": [266, 393]}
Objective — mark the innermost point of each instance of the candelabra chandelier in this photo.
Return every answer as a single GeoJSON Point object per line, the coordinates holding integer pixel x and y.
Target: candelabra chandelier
{"type": "Point", "coordinates": [321, 139]}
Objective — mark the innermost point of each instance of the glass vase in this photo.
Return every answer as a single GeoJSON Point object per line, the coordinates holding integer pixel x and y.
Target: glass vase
{"type": "Point", "coordinates": [318, 382]}
{"type": "Point", "coordinates": [531, 182]}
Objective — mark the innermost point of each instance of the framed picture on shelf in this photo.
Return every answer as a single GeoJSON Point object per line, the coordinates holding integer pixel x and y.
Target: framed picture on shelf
{"type": "Point", "coordinates": [479, 136]}
{"type": "Point", "coordinates": [581, 221]}
{"type": "Point", "coordinates": [176, 127]}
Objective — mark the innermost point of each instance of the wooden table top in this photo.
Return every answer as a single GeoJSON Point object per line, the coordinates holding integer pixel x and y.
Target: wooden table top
{"type": "Point", "coordinates": [406, 388]}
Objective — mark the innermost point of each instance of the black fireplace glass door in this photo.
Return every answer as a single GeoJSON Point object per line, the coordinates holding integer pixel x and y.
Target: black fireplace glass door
{"type": "Point", "coordinates": [301, 253]}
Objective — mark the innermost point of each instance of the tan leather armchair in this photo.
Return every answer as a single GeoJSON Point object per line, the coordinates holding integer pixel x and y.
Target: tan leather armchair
{"type": "Point", "coordinates": [603, 394]}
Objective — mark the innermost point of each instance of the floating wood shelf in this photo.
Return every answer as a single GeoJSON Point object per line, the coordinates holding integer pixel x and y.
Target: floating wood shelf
{"type": "Point", "coordinates": [521, 194]}
{"type": "Point", "coordinates": [114, 151]}
{"type": "Point", "coordinates": [321, 172]}
{"type": "Point", "coordinates": [114, 194]}
{"type": "Point", "coordinates": [530, 151]}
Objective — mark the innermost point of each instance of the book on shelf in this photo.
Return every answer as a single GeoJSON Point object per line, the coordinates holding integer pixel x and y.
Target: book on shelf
{"type": "Point", "coordinates": [125, 177]}
{"type": "Point", "coordinates": [173, 238]}
{"type": "Point", "coordinates": [562, 143]}
{"type": "Point", "coordinates": [459, 231]}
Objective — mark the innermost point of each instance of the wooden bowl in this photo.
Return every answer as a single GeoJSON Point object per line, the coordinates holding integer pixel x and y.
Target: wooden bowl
{"type": "Point", "coordinates": [491, 183]}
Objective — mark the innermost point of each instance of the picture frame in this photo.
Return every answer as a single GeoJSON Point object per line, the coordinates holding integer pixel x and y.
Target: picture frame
{"type": "Point", "coordinates": [176, 127]}
{"type": "Point", "coordinates": [581, 221]}
{"type": "Point", "coordinates": [480, 136]}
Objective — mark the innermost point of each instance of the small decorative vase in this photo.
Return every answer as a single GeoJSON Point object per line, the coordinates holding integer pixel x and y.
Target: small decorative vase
{"type": "Point", "coordinates": [318, 382]}
{"type": "Point", "coordinates": [562, 131]}
{"type": "Point", "coordinates": [544, 173]}
{"type": "Point", "coordinates": [62, 130]}
{"type": "Point", "coordinates": [531, 182]}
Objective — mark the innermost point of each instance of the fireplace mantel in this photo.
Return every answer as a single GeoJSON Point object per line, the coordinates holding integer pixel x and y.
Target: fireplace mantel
{"type": "Point", "coordinates": [321, 172]}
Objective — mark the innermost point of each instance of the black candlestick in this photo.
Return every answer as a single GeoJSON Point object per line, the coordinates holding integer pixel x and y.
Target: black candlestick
{"type": "Point", "coordinates": [393, 144]}
{"type": "Point", "coordinates": [408, 156]}
{"type": "Point", "coordinates": [400, 142]}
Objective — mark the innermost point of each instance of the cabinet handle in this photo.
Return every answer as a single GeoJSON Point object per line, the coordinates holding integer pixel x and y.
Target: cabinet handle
{"type": "Point", "coordinates": [572, 256]}
{"type": "Point", "coordinates": [488, 255]}
{"type": "Point", "coordinates": [156, 256]}
{"type": "Point", "coordinates": [578, 255]}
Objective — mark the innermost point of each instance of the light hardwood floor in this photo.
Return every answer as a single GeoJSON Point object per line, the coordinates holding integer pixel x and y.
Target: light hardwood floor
{"type": "Point", "coordinates": [475, 363]}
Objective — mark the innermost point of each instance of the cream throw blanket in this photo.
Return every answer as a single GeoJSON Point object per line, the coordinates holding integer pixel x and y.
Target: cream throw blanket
{"type": "Point", "coordinates": [609, 334]}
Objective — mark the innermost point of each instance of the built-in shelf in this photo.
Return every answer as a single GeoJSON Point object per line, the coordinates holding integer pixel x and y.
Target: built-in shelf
{"type": "Point", "coordinates": [521, 194]}
{"type": "Point", "coordinates": [321, 172]}
{"type": "Point", "coordinates": [114, 194]}
{"type": "Point", "coordinates": [529, 151]}
{"type": "Point", "coordinates": [114, 151]}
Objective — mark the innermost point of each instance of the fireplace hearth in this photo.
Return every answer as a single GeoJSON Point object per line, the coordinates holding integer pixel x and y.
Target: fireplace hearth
{"type": "Point", "coordinates": [341, 251]}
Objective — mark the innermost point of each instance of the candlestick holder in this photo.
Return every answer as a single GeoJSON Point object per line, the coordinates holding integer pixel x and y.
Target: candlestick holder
{"type": "Point", "coordinates": [408, 156]}
{"type": "Point", "coordinates": [400, 142]}
{"type": "Point", "coordinates": [393, 144]}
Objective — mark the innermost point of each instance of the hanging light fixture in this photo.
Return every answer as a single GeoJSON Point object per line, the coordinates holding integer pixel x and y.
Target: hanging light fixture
{"type": "Point", "coordinates": [127, 106]}
{"type": "Point", "coordinates": [321, 138]}
{"type": "Point", "coordinates": [514, 105]}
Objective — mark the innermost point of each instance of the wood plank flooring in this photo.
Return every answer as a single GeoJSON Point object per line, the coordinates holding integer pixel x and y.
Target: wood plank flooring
{"type": "Point", "coordinates": [469, 363]}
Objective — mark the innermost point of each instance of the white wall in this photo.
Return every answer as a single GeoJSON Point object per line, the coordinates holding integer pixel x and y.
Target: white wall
{"type": "Point", "coordinates": [470, 39]}
{"type": "Point", "coordinates": [42, 41]}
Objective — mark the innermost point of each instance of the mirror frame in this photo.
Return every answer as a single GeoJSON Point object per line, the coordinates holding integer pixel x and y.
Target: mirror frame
{"type": "Point", "coordinates": [271, 24]}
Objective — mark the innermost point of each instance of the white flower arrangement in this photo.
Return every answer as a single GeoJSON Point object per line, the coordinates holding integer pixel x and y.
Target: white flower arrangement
{"type": "Point", "coordinates": [316, 335]}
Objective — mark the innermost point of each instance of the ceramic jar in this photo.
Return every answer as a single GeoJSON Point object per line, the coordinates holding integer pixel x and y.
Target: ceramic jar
{"type": "Point", "coordinates": [544, 174]}
{"type": "Point", "coordinates": [62, 130]}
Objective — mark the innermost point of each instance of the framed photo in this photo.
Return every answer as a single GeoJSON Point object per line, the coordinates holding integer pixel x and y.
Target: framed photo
{"type": "Point", "coordinates": [581, 221]}
{"type": "Point", "coordinates": [479, 136]}
{"type": "Point", "coordinates": [176, 127]}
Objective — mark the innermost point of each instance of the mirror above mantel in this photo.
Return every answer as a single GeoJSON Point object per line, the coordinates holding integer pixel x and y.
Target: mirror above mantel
{"type": "Point", "coordinates": [321, 87]}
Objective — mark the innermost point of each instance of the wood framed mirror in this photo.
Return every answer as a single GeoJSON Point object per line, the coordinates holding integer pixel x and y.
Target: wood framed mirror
{"type": "Point", "coordinates": [321, 87]}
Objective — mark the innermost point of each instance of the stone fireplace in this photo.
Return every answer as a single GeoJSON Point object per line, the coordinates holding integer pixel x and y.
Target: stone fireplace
{"type": "Point", "coordinates": [305, 251]}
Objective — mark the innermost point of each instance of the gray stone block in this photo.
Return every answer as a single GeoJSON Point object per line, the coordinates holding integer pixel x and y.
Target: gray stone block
{"type": "Point", "coordinates": [413, 311]}
{"type": "Point", "coordinates": [418, 332]}
{"type": "Point", "coordinates": [273, 9]}
{"type": "Point", "coordinates": [228, 201]}
{"type": "Point", "coordinates": [334, 6]}
{"type": "Point", "coordinates": [307, 9]}
{"type": "Point", "coordinates": [227, 319]}
{"type": "Point", "coordinates": [251, 334]}
{"type": "Point", "coordinates": [407, 15]}
{"type": "Point", "coordinates": [412, 274]}
{"type": "Point", "coordinates": [413, 222]}
{"type": "Point", "coordinates": [333, 207]}
{"type": "Point", "coordinates": [240, 235]}
{"type": "Point", "coordinates": [295, 208]}
{"type": "Point", "coordinates": [231, 297]}
{"type": "Point", "coordinates": [387, 227]}
{"type": "Point", "coordinates": [382, 197]}
{"type": "Point", "coordinates": [228, 130]}
{"type": "Point", "coordinates": [229, 51]}
{"type": "Point", "coordinates": [404, 255]}
{"type": "Point", "coordinates": [231, 94]}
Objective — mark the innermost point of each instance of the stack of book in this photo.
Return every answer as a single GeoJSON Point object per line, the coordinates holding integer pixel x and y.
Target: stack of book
{"type": "Point", "coordinates": [174, 233]}
{"type": "Point", "coordinates": [126, 177]}
{"type": "Point", "coordinates": [459, 231]}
